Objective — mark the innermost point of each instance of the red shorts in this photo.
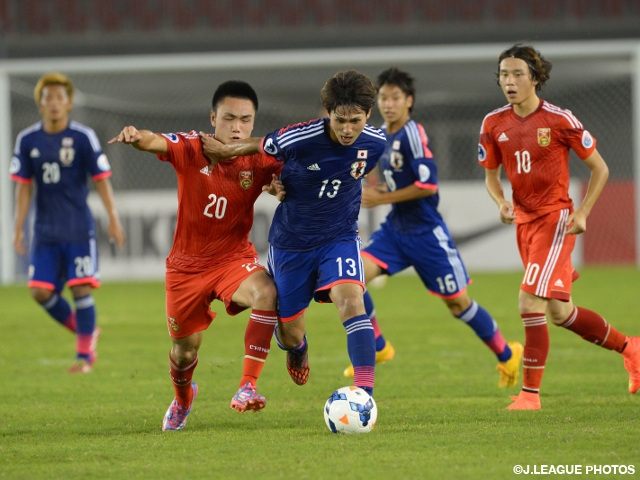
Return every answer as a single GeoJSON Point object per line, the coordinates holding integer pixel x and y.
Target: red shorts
{"type": "Point", "coordinates": [189, 295]}
{"type": "Point", "coordinates": [545, 249]}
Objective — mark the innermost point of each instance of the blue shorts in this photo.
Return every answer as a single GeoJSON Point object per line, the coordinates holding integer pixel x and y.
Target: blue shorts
{"type": "Point", "coordinates": [433, 254]}
{"type": "Point", "coordinates": [55, 264]}
{"type": "Point", "coordinates": [303, 276]}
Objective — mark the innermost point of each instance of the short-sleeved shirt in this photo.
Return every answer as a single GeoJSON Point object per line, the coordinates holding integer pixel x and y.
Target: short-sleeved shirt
{"type": "Point", "coordinates": [414, 233]}
{"type": "Point", "coordinates": [323, 183]}
{"type": "Point", "coordinates": [60, 164]}
{"type": "Point", "coordinates": [408, 160]}
{"type": "Point", "coordinates": [535, 154]}
{"type": "Point", "coordinates": [215, 209]}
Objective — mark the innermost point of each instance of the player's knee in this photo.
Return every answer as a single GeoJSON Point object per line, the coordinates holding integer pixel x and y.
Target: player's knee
{"type": "Point", "coordinates": [458, 305]}
{"type": "Point", "coordinates": [183, 356]}
{"type": "Point", "coordinates": [289, 336]}
{"type": "Point", "coordinates": [265, 297]}
{"type": "Point", "coordinates": [41, 295]}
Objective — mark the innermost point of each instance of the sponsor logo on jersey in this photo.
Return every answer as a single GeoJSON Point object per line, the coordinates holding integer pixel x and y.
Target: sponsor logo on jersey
{"type": "Point", "coordinates": [482, 153]}
{"type": "Point", "coordinates": [362, 154]}
{"type": "Point", "coordinates": [396, 145]}
{"type": "Point", "coordinates": [544, 137]}
{"type": "Point", "coordinates": [358, 169]}
{"type": "Point", "coordinates": [424, 173]}
{"type": "Point", "coordinates": [205, 170]}
{"type": "Point", "coordinates": [14, 167]}
{"type": "Point", "coordinates": [172, 137]}
{"type": "Point", "coordinates": [66, 155]}
{"type": "Point", "coordinates": [315, 166]}
{"type": "Point", "coordinates": [173, 324]}
{"type": "Point", "coordinates": [246, 178]}
{"type": "Point", "coordinates": [103, 163]}
{"type": "Point", "coordinates": [396, 160]}
{"type": "Point", "coordinates": [34, 153]}
{"type": "Point", "coordinates": [67, 141]}
{"type": "Point", "coordinates": [559, 284]}
{"type": "Point", "coordinates": [503, 137]}
{"type": "Point", "coordinates": [270, 147]}
{"type": "Point", "coordinates": [587, 139]}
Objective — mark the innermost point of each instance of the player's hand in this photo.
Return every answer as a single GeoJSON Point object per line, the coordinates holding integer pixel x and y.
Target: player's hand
{"type": "Point", "coordinates": [129, 135]}
{"type": "Point", "coordinates": [18, 242]}
{"type": "Point", "coordinates": [372, 196]}
{"type": "Point", "coordinates": [576, 223]}
{"type": "Point", "coordinates": [210, 149]}
{"type": "Point", "coordinates": [506, 213]}
{"type": "Point", "coordinates": [115, 232]}
{"type": "Point", "coordinates": [275, 188]}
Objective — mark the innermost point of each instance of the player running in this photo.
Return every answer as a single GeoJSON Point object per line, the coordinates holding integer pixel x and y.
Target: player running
{"type": "Point", "coordinates": [531, 139]}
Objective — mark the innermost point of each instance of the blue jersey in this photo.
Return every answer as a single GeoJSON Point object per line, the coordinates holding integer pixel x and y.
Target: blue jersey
{"type": "Point", "coordinates": [408, 160]}
{"type": "Point", "coordinates": [60, 163]}
{"type": "Point", "coordinates": [323, 183]}
{"type": "Point", "coordinates": [414, 233]}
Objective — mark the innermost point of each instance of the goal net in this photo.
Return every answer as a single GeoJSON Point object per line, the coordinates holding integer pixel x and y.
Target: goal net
{"type": "Point", "coordinates": [456, 87]}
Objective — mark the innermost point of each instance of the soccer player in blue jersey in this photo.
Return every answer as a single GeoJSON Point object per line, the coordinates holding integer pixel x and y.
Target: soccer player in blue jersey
{"type": "Point", "coordinates": [314, 245]}
{"type": "Point", "coordinates": [414, 233]}
{"type": "Point", "coordinates": [58, 155]}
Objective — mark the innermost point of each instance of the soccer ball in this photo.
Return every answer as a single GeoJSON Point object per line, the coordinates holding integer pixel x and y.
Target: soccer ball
{"type": "Point", "coordinates": [350, 410]}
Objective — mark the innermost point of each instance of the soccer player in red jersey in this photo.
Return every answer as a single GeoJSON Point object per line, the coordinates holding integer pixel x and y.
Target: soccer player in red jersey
{"type": "Point", "coordinates": [531, 139]}
{"type": "Point", "coordinates": [212, 257]}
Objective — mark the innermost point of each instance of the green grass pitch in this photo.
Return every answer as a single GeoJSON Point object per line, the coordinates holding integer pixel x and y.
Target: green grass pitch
{"type": "Point", "coordinates": [441, 414]}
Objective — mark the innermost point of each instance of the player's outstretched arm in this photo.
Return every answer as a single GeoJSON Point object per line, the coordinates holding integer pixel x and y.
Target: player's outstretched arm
{"type": "Point", "coordinates": [144, 140]}
{"type": "Point", "coordinates": [216, 151]}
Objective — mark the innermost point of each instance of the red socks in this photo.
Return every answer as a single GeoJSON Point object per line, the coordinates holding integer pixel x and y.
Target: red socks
{"type": "Point", "coordinates": [181, 378]}
{"type": "Point", "coordinates": [595, 329]}
{"type": "Point", "coordinates": [257, 343]}
{"type": "Point", "coordinates": [536, 349]}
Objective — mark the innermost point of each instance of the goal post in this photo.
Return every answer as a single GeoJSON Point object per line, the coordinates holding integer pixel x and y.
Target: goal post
{"type": "Point", "coordinates": [598, 80]}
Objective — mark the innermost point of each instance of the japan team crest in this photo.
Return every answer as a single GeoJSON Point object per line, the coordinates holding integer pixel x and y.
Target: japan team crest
{"type": "Point", "coordinates": [544, 137]}
{"type": "Point", "coordinates": [246, 179]}
{"type": "Point", "coordinates": [396, 160]}
{"type": "Point", "coordinates": [67, 152]}
{"type": "Point", "coordinates": [358, 169]}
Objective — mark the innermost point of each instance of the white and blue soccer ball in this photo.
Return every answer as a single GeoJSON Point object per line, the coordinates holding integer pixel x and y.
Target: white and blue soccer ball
{"type": "Point", "coordinates": [350, 410]}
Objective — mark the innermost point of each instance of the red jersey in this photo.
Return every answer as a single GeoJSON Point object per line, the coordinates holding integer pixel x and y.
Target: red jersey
{"type": "Point", "coordinates": [535, 153]}
{"type": "Point", "coordinates": [215, 210]}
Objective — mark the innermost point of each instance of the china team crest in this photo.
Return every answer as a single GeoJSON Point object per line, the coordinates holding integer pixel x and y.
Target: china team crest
{"type": "Point", "coordinates": [246, 179]}
{"type": "Point", "coordinates": [544, 137]}
{"type": "Point", "coordinates": [173, 324]}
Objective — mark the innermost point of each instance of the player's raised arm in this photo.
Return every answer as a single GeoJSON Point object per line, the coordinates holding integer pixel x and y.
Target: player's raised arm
{"type": "Point", "coordinates": [144, 140]}
{"type": "Point", "coordinates": [216, 151]}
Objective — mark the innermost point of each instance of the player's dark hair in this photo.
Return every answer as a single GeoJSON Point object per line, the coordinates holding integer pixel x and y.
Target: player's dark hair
{"type": "Point", "coordinates": [402, 80]}
{"type": "Point", "coordinates": [539, 67]}
{"type": "Point", "coordinates": [234, 89]}
{"type": "Point", "coordinates": [348, 89]}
